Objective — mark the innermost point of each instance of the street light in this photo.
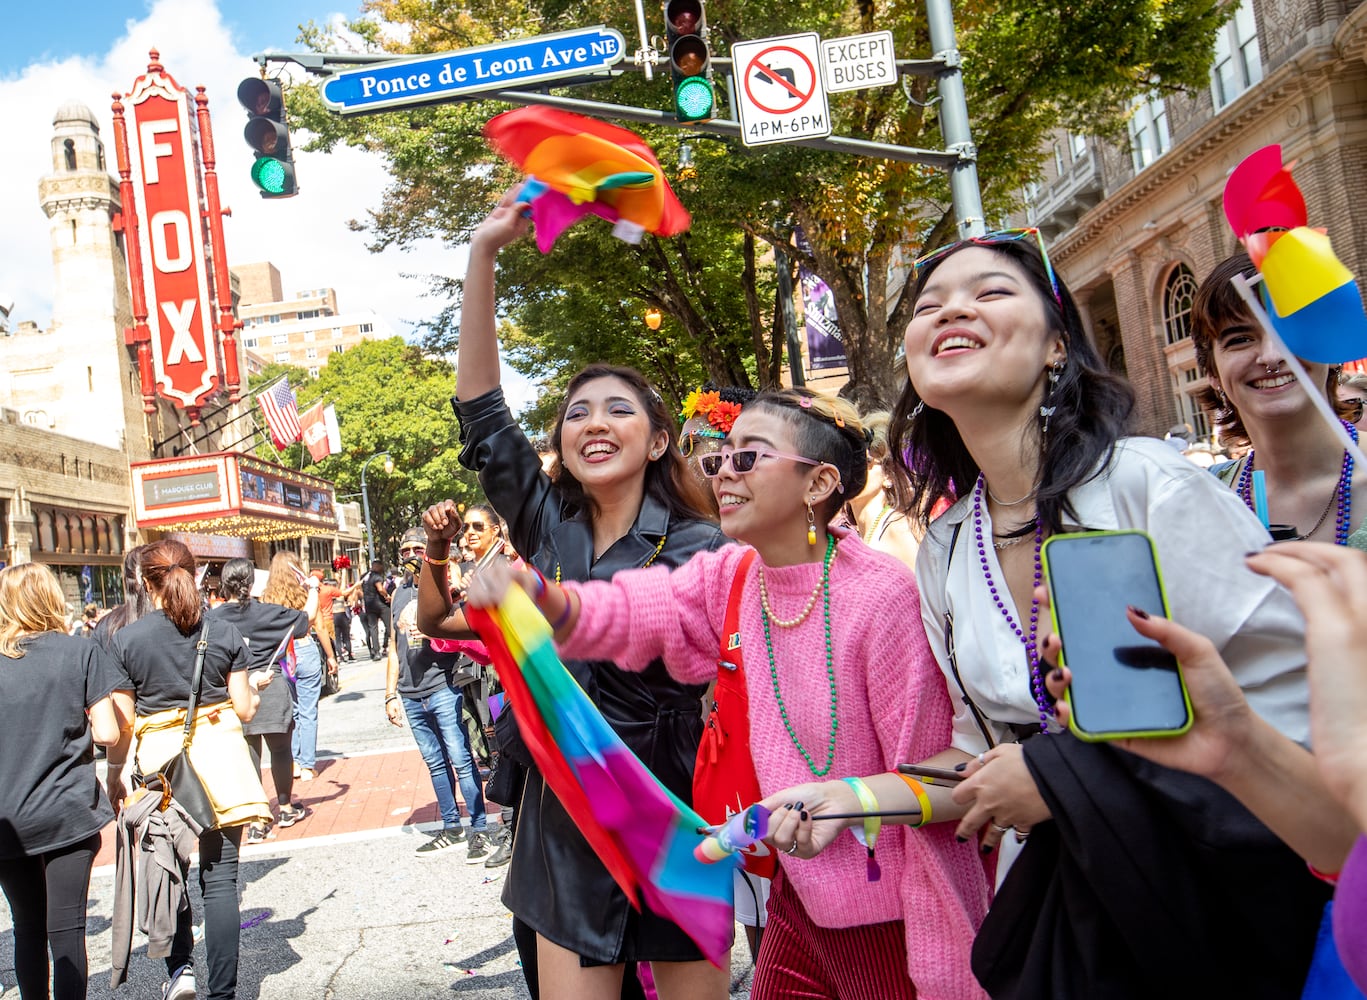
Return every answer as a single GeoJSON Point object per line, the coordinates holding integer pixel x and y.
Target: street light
{"type": "Point", "coordinates": [365, 502]}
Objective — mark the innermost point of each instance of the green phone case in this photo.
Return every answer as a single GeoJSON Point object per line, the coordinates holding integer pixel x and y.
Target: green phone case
{"type": "Point", "coordinates": [1073, 726]}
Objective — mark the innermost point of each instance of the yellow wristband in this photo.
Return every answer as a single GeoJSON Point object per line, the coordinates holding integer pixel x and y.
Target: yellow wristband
{"type": "Point", "coordinates": [868, 836]}
{"type": "Point", "coordinates": [919, 790]}
{"type": "Point", "coordinates": [435, 562]}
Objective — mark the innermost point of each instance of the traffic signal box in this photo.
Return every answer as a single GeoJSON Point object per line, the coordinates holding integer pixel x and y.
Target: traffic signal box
{"type": "Point", "coordinates": [690, 61]}
{"type": "Point", "coordinates": [269, 137]}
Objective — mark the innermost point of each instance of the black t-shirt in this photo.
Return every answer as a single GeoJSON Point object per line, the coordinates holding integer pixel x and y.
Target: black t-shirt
{"type": "Point", "coordinates": [422, 670]}
{"type": "Point", "coordinates": [49, 795]}
{"type": "Point", "coordinates": [264, 626]}
{"type": "Point", "coordinates": [160, 661]}
{"type": "Point", "coordinates": [370, 594]}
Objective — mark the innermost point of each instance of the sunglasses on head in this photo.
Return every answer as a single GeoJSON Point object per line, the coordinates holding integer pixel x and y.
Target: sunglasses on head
{"type": "Point", "coordinates": [689, 441]}
{"type": "Point", "coordinates": [743, 461]}
{"type": "Point", "coordinates": [993, 239]}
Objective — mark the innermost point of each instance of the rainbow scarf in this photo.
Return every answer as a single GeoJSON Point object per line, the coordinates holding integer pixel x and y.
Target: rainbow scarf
{"type": "Point", "coordinates": [642, 833]}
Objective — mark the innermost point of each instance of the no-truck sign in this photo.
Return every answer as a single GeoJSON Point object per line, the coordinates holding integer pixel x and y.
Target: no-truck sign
{"type": "Point", "coordinates": [779, 90]}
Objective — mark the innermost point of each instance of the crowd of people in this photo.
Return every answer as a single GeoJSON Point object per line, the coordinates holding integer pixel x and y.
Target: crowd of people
{"type": "Point", "coordinates": [875, 584]}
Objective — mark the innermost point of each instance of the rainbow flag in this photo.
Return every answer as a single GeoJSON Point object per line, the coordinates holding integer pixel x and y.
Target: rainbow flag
{"type": "Point", "coordinates": [642, 833]}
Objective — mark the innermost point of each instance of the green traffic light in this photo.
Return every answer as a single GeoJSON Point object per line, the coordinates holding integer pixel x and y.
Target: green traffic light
{"type": "Point", "coordinates": [270, 175]}
{"type": "Point", "coordinates": [694, 99]}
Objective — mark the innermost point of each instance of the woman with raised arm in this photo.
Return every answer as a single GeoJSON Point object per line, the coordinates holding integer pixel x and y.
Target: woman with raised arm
{"type": "Point", "coordinates": [1313, 486]}
{"type": "Point", "coordinates": [622, 497]}
{"type": "Point", "coordinates": [1009, 405]}
{"type": "Point", "coordinates": [57, 694]}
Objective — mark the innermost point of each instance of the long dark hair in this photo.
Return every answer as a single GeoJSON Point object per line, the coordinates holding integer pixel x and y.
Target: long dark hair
{"type": "Point", "coordinates": [1217, 305]}
{"type": "Point", "coordinates": [667, 478]}
{"type": "Point", "coordinates": [1092, 411]}
{"type": "Point", "coordinates": [826, 429]}
{"type": "Point", "coordinates": [169, 569]}
{"type": "Point", "coordinates": [136, 602]}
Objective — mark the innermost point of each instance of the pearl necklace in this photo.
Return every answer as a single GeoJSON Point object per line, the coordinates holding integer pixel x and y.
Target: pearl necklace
{"type": "Point", "coordinates": [1343, 492]}
{"type": "Point", "coordinates": [1027, 637]}
{"type": "Point", "coordinates": [811, 601]}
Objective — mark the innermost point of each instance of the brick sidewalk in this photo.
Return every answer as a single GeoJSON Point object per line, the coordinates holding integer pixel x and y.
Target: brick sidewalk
{"type": "Point", "coordinates": [366, 792]}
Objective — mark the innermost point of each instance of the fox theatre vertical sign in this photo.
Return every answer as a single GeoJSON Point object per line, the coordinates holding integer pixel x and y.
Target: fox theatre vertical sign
{"type": "Point", "coordinates": [173, 228]}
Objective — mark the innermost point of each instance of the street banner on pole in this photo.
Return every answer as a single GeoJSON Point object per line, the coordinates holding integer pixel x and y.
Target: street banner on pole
{"type": "Point", "coordinates": [825, 344]}
{"type": "Point", "coordinates": [313, 431]}
{"type": "Point", "coordinates": [334, 431]}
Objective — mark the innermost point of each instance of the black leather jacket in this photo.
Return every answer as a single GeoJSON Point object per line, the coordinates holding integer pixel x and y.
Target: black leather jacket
{"type": "Point", "coordinates": [556, 883]}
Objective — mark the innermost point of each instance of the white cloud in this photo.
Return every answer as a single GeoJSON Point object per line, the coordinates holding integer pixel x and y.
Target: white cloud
{"type": "Point", "coordinates": [307, 237]}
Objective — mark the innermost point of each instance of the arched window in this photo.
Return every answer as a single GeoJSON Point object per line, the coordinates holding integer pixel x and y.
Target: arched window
{"type": "Point", "coordinates": [1178, 292]}
{"type": "Point", "coordinates": [70, 147]}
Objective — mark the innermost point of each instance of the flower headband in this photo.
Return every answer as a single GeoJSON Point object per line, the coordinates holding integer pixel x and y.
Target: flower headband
{"type": "Point", "coordinates": [719, 413]}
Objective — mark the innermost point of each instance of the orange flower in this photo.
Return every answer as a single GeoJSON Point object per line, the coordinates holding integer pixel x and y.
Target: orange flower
{"type": "Point", "coordinates": [723, 415]}
{"type": "Point", "coordinates": [707, 400]}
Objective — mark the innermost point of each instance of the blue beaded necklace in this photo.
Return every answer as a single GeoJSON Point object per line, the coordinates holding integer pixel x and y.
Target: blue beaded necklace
{"type": "Point", "coordinates": [1343, 491]}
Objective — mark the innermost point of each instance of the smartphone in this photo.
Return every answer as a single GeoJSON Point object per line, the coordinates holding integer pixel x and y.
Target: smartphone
{"type": "Point", "coordinates": [931, 775]}
{"type": "Point", "coordinates": [1123, 684]}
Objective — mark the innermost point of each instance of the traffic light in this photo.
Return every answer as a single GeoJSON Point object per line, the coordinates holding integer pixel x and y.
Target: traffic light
{"type": "Point", "coordinates": [269, 137]}
{"type": "Point", "coordinates": [690, 62]}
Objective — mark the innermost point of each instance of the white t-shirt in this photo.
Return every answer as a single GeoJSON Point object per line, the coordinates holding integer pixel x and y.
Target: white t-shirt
{"type": "Point", "coordinates": [1201, 531]}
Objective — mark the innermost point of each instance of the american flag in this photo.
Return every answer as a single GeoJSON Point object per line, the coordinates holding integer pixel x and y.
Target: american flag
{"type": "Point", "coordinates": [282, 413]}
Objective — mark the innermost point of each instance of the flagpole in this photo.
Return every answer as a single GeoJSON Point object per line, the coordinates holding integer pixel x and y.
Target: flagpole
{"type": "Point", "coordinates": [1245, 289]}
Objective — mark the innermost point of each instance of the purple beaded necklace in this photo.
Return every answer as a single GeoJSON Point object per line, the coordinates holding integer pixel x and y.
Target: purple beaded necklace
{"type": "Point", "coordinates": [1029, 636]}
{"type": "Point", "coordinates": [1344, 490]}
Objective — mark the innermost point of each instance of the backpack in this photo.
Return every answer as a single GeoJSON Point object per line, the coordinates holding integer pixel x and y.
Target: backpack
{"type": "Point", "coordinates": [724, 781]}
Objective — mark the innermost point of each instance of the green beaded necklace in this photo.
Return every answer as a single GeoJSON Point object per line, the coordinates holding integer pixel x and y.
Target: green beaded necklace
{"type": "Point", "coordinates": [830, 668]}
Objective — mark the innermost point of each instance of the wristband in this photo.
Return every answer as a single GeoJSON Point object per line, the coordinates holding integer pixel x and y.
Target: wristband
{"type": "Point", "coordinates": [919, 790]}
{"type": "Point", "coordinates": [559, 623]}
{"type": "Point", "coordinates": [392, 697]}
{"type": "Point", "coordinates": [540, 585]}
{"type": "Point", "coordinates": [868, 836]}
{"type": "Point", "coordinates": [435, 562]}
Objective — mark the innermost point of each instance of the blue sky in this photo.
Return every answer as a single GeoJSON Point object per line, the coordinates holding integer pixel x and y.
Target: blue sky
{"type": "Point", "coordinates": [86, 28]}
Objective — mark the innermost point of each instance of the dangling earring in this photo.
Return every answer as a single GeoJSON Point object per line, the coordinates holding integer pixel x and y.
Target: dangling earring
{"type": "Point", "coordinates": [1045, 411]}
{"type": "Point", "coordinates": [811, 524]}
{"type": "Point", "coordinates": [919, 407]}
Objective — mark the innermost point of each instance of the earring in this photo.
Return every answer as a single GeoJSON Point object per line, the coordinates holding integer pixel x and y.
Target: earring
{"type": "Point", "coordinates": [811, 524]}
{"type": "Point", "coordinates": [1045, 411]}
{"type": "Point", "coordinates": [919, 407]}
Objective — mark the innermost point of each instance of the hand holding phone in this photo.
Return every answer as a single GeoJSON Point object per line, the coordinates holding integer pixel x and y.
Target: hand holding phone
{"type": "Point", "coordinates": [1124, 685]}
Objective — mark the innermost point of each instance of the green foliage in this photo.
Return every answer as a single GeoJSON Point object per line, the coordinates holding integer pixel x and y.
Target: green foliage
{"type": "Point", "coordinates": [1029, 69]}
{"type": "Point", "coordinates": [392, 398]}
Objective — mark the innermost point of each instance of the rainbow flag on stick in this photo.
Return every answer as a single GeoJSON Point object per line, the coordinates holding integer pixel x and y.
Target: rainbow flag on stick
{"type": "Point", "coordinates": [642, 833]}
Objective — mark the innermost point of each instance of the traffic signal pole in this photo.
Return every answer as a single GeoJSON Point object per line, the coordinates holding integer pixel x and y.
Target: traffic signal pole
{"type": "Point", "coordinates": [963, 172]}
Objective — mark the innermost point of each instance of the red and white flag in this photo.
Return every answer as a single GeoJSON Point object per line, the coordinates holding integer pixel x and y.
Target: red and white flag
{"type": "Point", "coordinates": [282, 413]}
{"type": "Point", "coordinates": [314, 432]}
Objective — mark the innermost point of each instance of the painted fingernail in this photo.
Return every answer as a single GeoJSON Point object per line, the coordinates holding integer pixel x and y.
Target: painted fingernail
{"type": "Point", "coordinates": [1253, 552]}
{"type": "Point", "coordinates": [1139, 612]}
{"type": "Point", "coordinates": [987, 849]}
{"type": "Point", "coordinates": [963, 765]}
{"type": "Point", "coordinates": [960, 839]}
{"type": "Point", "coordinates": [799, 805]}
{"type": "Point", "coordinates": [788, 806]}
{"type": "Point", "coordinates": [803, 816]}
{"type": "Point", "coordinates": [1056, 675]}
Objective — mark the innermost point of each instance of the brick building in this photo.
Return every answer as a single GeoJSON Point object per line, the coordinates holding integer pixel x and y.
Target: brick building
{"type": "Point", "coordinates": [303, 330]}
{"type": "Point", "coordinates": [1134, 230]}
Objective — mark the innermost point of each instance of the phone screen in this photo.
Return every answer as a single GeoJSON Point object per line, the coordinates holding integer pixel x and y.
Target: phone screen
{"type": "Point", "coordinates": [1122, 682]}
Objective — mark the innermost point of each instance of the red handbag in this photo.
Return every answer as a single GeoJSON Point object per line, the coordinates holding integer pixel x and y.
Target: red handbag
{"type": "Point", "coordinates": [724, 781]}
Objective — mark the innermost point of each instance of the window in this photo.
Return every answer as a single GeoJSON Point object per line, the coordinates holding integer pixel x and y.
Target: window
{"type": "Point", "coordinates": [69, 148]}
{"type": "Point", "coordinates": [248, 342]}
{"type": "Point", "coordinates": [273, 318]}
{"type": "Point", "coordinates": [1058, 161]}
{"type": "Point", "coordinates": [1238, 61]}
{"type": "Point", "coordinates": [1178, 293]}
{"type": "Point", "coordinates": [1078, 145]}
{"type": "Point", "coordinates": [1149, 137]}
{"type": "Point", "coordinates": [282, 357]}
{"type": "Point", "coordinates": [313, 372]}
{"type": "Point", "coordinates": [338, 348]}
{"type": "Point", "coordinates": [367, 327]}
{"type": "Point", "coordinates": [280, 338]}
{"type": "Point", "coordinates": [308, 313]}
{"type": "Point", "coordinates": [1189, 412]}
{"type": "Point", "coordinates": [311, 352]}
{"type": "Point", "coordinates": [336, 333]}
{"type": "Point", "coordinates": [309, 336]}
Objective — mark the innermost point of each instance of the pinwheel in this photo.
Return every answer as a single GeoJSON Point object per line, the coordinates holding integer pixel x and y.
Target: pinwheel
{"type": "Point", "coordinates": [642, 833]}
{"type": "Point", "coordinates": [579, 166]}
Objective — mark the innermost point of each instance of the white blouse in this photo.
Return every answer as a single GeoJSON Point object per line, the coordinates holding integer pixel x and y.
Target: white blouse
{"type": "Point", "coordinates": [1201, 531]}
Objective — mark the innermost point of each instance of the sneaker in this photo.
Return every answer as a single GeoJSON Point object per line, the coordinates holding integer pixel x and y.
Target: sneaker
{"type": "Point", "coordinates": [503, 853]}
{"type": "Point", "coordinates": [256, 833]}
{"type": "Point", "coordinates": [441, 842]}
{"type": "Point", "coordinates": [181, 986]}
{"type": "Point", "coordinates": [291, 814]}
{"type": "Point", "coordinates": [305, 774]}
{"type": "Point", "coordinates": [479, 847]}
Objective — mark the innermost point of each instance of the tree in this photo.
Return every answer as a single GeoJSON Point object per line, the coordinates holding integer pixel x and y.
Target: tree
{"type": "Point", "coordinates": [391, 397]}
{"type": "Point", "coordinates": [1029, 69]}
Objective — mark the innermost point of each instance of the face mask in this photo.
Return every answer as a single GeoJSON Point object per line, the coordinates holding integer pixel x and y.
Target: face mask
{"type": "Point", "coordinates": [413, 563]}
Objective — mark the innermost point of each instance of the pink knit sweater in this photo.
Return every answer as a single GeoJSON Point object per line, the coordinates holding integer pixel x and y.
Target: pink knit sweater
{"type": "Point", "coordinates": [892, 706]}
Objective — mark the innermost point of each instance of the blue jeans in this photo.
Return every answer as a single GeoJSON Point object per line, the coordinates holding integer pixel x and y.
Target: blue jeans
{"type": "Point", "coordinates": [304, 693]}
{"type": "Point", "coordinates": [445, 746]}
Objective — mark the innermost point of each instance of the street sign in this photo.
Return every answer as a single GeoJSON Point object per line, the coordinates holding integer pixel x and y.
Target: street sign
{"type": "Point", "coordinates": [779, 92]}
{"type": "Point", "coordinates": [858, 61]}
{"type": "Point", "coordinates": [443, 75]}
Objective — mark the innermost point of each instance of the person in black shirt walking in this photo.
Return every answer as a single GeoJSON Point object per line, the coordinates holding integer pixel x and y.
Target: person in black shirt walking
{"type": "Point", "coordinates": [375, 609]}
{"type": "Point", "coordinates": [51, 805]}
